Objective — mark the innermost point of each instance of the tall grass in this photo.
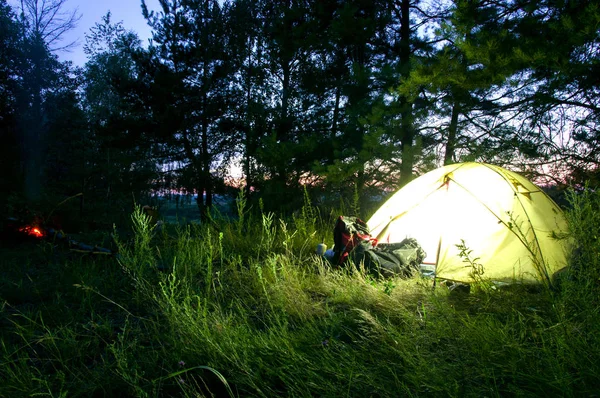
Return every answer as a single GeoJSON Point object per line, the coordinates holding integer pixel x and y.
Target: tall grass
{"type": "Point", "coordinates": [245, 308]}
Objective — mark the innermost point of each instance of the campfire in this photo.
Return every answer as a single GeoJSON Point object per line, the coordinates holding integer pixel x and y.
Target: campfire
{"type": "Point", "coordinates": [17, 230]}
{"type": "Point", "coordinates": [31, 230]}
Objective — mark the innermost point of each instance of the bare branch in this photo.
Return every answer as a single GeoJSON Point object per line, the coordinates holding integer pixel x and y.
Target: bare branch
{"type": "Point", "coordinates": [49, 20]}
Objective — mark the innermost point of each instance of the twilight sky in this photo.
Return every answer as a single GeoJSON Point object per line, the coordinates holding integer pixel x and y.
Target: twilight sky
{"type": "Point", "coordinates": [128, 11]}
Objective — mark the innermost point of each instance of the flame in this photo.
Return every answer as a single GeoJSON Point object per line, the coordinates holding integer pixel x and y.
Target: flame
{"type": "Point", "coordinates": [32, 231]}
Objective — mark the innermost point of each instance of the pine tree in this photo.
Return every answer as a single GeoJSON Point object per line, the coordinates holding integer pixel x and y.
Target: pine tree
{"type": "Point", "coordinates": [543, 51]}
{"type": "Point", "coordinates": [191, 53]}
{"type": "Point", "coordinates": [120, 156]}
{"type": "Point", "coordinates": [11, 55]}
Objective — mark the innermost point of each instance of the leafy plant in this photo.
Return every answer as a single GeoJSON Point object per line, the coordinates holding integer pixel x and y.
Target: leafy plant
{"type": "Point", "coordinates": [476, 268]}
{"type": "Point", "coordinates": [306, 221]}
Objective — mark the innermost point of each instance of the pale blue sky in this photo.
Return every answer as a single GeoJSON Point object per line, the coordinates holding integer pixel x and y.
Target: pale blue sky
{"type": "Point", "coordinates": [128, 11]}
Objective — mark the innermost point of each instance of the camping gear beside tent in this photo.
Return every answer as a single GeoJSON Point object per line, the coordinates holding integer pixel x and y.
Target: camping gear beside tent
{"type": "Point", "coordinates": [401, 259]}
{"type": "Point", "coordinates": [349, 233]}
{"type": "Point", "coordinates": [354, 243]}
{"type": "Point", "coordinates": [508, 224]}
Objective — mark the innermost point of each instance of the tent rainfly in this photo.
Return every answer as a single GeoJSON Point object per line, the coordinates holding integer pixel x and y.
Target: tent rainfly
{"type": "Point", "coordinates": [507, 222]}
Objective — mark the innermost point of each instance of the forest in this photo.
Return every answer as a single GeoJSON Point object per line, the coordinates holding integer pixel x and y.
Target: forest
{"type": "Point", "coordinates": [277, 116]}
{"type": "Point", "coordinates": [342, 97]}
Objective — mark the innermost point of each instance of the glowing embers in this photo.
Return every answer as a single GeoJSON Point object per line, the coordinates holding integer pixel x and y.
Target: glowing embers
{"type": "Point", "coordinates": [30, 230]}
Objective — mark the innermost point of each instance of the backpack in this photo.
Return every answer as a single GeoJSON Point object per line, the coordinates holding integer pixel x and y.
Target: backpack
{"type": "Point", "coordinates": [352, 240]}
{"type": "Point", "coordinates": [348, 234]}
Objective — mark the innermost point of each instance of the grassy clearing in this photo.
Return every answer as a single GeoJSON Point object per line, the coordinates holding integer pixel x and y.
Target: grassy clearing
{"type": "Point", "coordinates": [244, 308]}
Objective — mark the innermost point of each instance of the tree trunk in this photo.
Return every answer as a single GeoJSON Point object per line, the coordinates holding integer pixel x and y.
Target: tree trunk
{"type": "Point", "coordinates": [198, 179]}
{"type": "Point", "coordinates": [284, 127]}
{"type": "Point", "coordinates": [452, 131]}
{"type": "Point", "coordinates": [248, 144]}
{"type": "Point", "coordinates": [336, 115]}
{"type": "Point", "coordinates": [360, 191]}
{"type": "Point", "coordinates": [206, 180]}
{"type": "Point", "coordinates": [406, 111]}
{"type": "Point", "coordinates": [206, 158]}
{"type": "Point", "coordinates": [206, 171]}
{"type": "Point", "coordinates": [34, 126]}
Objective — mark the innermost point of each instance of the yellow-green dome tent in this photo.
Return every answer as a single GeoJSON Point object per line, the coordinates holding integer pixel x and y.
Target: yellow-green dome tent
{"type": "Point", "coordinates": [507, 222]}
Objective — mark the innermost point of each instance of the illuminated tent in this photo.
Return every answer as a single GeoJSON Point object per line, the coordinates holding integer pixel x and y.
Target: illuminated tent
{"type": "Point", "coordinates": [506, 221]}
